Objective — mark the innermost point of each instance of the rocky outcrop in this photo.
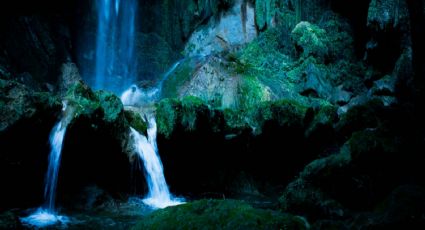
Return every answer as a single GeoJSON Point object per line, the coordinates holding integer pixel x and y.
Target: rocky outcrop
{"type": "Point", "coordinates": [235, 28]}
{"type": "Point", "coordinates": [18, 102]}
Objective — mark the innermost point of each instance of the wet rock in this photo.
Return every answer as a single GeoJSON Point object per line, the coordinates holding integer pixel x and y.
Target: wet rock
{"type": "Point", "coordinates": [219, 214]}
{"type": "Point", "coordinates": [70, 75]}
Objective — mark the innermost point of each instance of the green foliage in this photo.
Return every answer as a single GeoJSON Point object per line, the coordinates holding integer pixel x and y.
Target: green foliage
{"type": "Point", "coordinates": [311, 39]}
{"type": "Point", "coordinates": [218, 214]}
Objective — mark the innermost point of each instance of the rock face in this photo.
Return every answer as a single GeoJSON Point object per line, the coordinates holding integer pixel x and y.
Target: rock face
{"type": "Point", "coordinates": [34, 45]}
{"type": "Point", "coordinates": [233, 29]}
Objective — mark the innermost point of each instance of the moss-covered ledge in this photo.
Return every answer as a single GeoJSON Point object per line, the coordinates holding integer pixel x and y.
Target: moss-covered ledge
{"type": "Point", "coordinates": [191, 113]}
{"type": "Point", "coordinates": [219, 214]}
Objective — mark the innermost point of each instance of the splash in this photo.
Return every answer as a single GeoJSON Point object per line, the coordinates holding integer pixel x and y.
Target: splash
{"type": "Point", "coordinates": [46, 215]}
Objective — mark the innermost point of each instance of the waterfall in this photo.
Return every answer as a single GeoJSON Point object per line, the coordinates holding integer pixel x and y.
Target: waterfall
{"type": "Point", "coordinates": [115, 66]}
{"type": "Point", "coordinates": [159, 195]}
{"type": "Point", "coordinates": [46, 215]}
{"type": "Point", "coordinates": [56, 141]}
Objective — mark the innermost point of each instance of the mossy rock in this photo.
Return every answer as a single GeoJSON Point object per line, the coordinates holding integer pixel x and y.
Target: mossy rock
{"type": "Point", "coordinates": [285, 112]}
{"type": "Point", "coordinates": [218, 214]}
{"type": "Point", "coordinates": [184, 112]}
{"type": "Point", "coordinates": [82, 99]}
{"type": "Point", "coordinates": [360, 117]}
{"type": "Point", "coordinates": [136, 121]}
{"type": "Point", "coordinates": [102, 107]}
{"type": "Point", "coordinates": [111, 105]}
{"type": "Point", "coordinates": [372, 144]}
{"type": "Point", "coordinates": [166, 115]}
{"type": "Point", "coordinates": [308, 194]}
{"type": "Point", "coordinates": [252, 92]}
{"type": "Point", "coordinates": [191, 109]}
{"type": "Point", "coordinates": [325, 116]}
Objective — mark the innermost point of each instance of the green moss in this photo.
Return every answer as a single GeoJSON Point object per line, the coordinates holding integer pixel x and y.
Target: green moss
{"type": "Point", "coordinates": [191, 108]}
{"type": "Point", "coordinates": [185, 112]}
{"type": "Point", "coordinates": [102, 104]}
{"type": "Point", "coordinates": [360, 117]}
{"type": "Point", "coordinates": [166, 115]}
{"type": "Point", "coordinates": [82, 98]}
{"type": "Point", "coordinates": [46, 99]}
{"type": "Point", "coordinates": [136, 121]}
{"type": "Point", "coordinates": [235, 120]}
{"type": "Point", "coordinates": [110, 104]}
{"type": "Point", "coordinates": [285, 112]}
{"type": "Point", "coordinates": [218, 214]}
{"type": "Point", "coordinates": [325, 116]}
{"type": "Point", "coordinates": [251, 92]}
{"type": "Point", "coordinates": [176, 80]}
{"type": "Point", "coordinates": [369, 143]}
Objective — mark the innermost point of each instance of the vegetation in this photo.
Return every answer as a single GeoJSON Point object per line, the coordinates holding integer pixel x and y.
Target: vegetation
{"type": "Point", "coordinates": [218, 214]}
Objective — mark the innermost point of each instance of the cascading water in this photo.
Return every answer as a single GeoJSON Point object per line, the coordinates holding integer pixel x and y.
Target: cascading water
{"type": "Point", "coordinates": [56, 141]}
{"type": "Point", "coordinates": [115, 67]}
{"type": "Point", "coordinates": [46, 215]}
{"type": "Point", "coordinates": [159, 195]}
